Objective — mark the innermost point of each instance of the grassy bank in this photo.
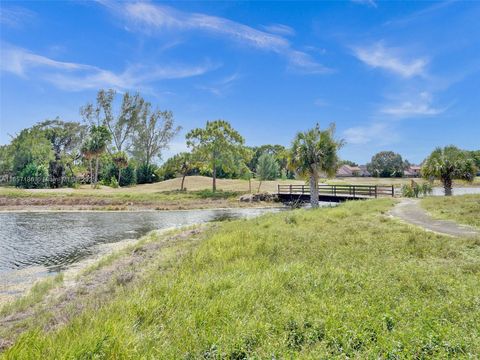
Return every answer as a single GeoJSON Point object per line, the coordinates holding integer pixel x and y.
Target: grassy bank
{"type": "Point", "coordinates": [464, 209]}
{"type": "Point", "coordinates": [162, 195]}
{"type": "Point", "coordinates": [331, 283]}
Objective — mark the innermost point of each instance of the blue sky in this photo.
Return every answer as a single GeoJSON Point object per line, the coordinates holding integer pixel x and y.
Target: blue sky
{"type": "Point", "coordinates": [402, 76]}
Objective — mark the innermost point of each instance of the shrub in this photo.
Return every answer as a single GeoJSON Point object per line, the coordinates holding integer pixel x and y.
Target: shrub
{"type": "Point", "coordinates": [413, 190]}
{"type": "Point", "coordinates": [129, 176]}
{"type": "Point", "coordinates": [113, 182]}
{"type": "Point", "coordinates": [32, 177]}
{"type": "Point", "coordinates": [146, 174]}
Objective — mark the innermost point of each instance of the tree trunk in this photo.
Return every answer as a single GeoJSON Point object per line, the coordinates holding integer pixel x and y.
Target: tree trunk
{"type": "Point", "coordinates": [119, 175]}
{"type": "Point", "coordinates": [183, 181]}
{"type": "Point", "coordinates": [91, 172]}
{"type": "Point", "coordinates": [313, 191]}
{"type": "Point", "coordinates": [259, 185]}
{"type": "Point", "coordinates": [214, 175]}
{"type": "Point", "coordinates": [447, 185]}
{"type": "Point", "coordinates": [96, 170]}
{"type": "Point", "coordinates": [250, 185]}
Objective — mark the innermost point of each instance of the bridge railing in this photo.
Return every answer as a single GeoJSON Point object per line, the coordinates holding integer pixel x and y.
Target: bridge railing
{"type": "Point", "coordinates": [354, 191]}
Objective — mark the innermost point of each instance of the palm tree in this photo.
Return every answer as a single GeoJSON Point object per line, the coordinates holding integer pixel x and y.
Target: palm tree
{"type": "Point", "coordinates": [313, 153]}
{"type": "Point", "coordinates": [120, 160]}
{"type": "Point", "coordinates": [448, 164]}
{"type": "Point", "coordinates": [86, 151]}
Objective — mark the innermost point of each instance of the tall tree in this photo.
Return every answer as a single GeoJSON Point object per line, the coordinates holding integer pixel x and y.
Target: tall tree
{"type": "Point", "coordinates": [387, 164]}
{"type": "Point", "coordinates": [153, 134]}
{"type": "Point", "coordinates": [267, 168]}
{"type": "Point", "coordinates": [313, 153]}
{"type": "Point", "coordinates": [120, 160]}
{"type": "Point", "coordinates": [122, 123]}
{"type": "Point", "coordinates": [96, 145]}
{"type": "Point", "coordinates": [66, 138]}
{"type": "Point", "coordinates": [30, 146]}
{"type": "Point", "coordinates": [219, 145]}
{"type": "Point", "coordinates": [447, 164]}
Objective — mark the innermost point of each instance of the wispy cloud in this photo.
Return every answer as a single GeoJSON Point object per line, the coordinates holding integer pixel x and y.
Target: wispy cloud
{"type": "Point", "coordinates": [75, 76]}
{"type": "Point", "coordinates": [219, 88]}
{"type": "Point", "coordinates": [380, 133]}
{"type": "Point", "coordinates": [380, 56]}
{"type": "Point", "coordinates": [15, 16]}
{"type": "Point", "coordinates": [370, 3]}
{"type": "Point", "coordinates": [151, 18]}
{"type": "Point", "coordinates": [421, 105]}
{"type": "Point", "coordinates": [279, 29]}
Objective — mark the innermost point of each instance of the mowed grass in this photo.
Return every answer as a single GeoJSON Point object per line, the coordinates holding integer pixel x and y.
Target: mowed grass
{"type": "Point", "coordinates": [464, 209]}
{"type": "Point", "coordinates": [194, 185]}
{"type": "Point", "coordinates": [345, 282]}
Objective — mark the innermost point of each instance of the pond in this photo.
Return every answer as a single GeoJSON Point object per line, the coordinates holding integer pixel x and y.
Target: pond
{"type": "Point", "coordinates": [439, 191]}
{"type": "Point", "coordinates": [37, 244]}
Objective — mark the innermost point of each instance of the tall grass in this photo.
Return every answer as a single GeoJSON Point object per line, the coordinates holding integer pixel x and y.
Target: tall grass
{"type": "Point", "coordinates": [464, 209]}
{"type": "Point", "coordinates": [345, 282]}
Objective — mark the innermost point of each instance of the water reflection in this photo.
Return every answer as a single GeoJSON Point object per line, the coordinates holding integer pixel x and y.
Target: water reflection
{"type": "Point", "coordinates": [56, 240]}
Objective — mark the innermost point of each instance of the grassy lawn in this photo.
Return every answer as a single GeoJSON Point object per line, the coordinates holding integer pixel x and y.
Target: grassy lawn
{"type": "Point", "coordinates": [397, 182]}
{"type": "Point", "coordinates": [464, 209]}
{"type": "Point", "coordinates": [345, 282]}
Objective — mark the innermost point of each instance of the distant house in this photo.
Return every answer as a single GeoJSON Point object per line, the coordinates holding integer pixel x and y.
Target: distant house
{"type": "Point", "coordinates": [348, 171]}
{"type": "Point", "coordinates": [412, 171]}
{"type": "Point", "coordinates": [364, 171]}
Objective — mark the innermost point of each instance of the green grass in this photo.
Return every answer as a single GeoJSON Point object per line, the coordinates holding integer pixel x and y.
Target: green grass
{"type": "Point", "coordinates": [464, 209]}
{"type": "Point", "coordinates": [36, 293]}
{"type": "Point", "coordinates": [345, 282]}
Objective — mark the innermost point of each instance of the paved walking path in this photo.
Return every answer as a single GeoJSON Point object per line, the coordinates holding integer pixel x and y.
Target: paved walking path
{"type": "Point", "coordinates": [410, 211]}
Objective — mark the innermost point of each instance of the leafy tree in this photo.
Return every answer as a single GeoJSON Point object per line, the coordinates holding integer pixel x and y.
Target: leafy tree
{"type": "Point", "coordinates": [6, 159]}
{"type": "Point", "coordinates": [182, 164]}
{"type": "Point", "coordinates": [154, 132]}
{"type": "Point", "coordinates": [65, 138]}
{"type": "Point", "coordinates": [278, 151]}
{"type": "Point", "coordinates": [218, 145]}
{"type": "Point", "coordinates": [121, 124]}
{"type": "Point", "coordinates": [347, 162]}
{"type": "Point", "coordinates": [447, 164]}
{"type": "Point", "coordinates": [314, 152]}
{"type": "Point", "coordinates": [267, 168]}
{"type": "Point", "coordinates": [386, 164]}
{"type": "Point", "coordinates": [30, 146]}
{"type": "Point", "coordinates": [120, 160]}
{"type": "Point", "coordinates": [475, 155]}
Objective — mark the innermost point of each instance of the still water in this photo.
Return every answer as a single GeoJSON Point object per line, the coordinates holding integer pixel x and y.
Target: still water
{"type": "Point", "coordinates": [35, 245]}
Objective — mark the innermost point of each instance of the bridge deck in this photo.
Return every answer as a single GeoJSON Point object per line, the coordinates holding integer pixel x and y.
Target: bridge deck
{"type": "Point", "coordinates": [334, 193]}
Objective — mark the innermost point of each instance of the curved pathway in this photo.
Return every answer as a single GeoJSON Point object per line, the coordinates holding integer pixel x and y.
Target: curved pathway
{"type": "Point", "coordinates": [410, 211]}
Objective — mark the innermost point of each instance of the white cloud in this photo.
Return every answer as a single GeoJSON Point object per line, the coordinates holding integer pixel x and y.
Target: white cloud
{"type": "Point", "coordinates": [421, 105]}
{"type": "Point", "coordinates": [279, 29]}
{"type": "Point", "coordinates": [151, 17]}
{"type": "Point", "coordinates": [75, 76]}
{"type": "Point", "coordinates": [379, 56]}
{"type": "Point", "coordinates": [380, 133]}
{"type": "Point", "coordinates": [15, 16]}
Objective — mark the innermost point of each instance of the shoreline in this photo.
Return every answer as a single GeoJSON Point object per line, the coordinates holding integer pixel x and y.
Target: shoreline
{"type": "Point", "coordinates": [137, 210]}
